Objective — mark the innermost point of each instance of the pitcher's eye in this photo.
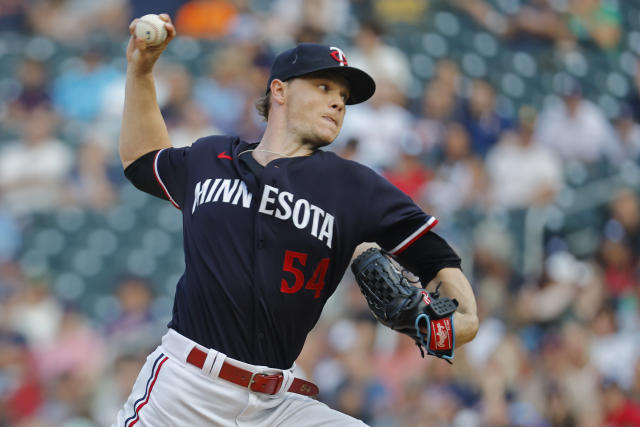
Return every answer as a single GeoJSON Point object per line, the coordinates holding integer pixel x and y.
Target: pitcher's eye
{"type": "Point", "coordinates": [323, 87]}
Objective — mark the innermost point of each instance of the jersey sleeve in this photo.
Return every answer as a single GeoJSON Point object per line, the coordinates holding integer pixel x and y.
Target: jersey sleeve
{"type": "Point", "coordinates": [395, 222]}
{"type": "Point", "coordinates": [170, 171]}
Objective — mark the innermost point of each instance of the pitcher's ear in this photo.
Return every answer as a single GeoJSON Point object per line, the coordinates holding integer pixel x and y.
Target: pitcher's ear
{"type": "Point", "coordinates": [278, 90]}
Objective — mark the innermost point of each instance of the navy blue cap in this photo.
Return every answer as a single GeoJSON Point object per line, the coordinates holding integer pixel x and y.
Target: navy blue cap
{"type": "Point", "coordinates": [308, 58]}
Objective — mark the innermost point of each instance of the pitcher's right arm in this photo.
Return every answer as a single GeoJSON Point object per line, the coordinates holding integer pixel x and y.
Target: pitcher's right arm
{"type": "Point", "coordinates": [143, 128]}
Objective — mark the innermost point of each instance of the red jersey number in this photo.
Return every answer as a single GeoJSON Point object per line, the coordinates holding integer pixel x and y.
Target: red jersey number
{"type": "Point", "coordinates": [315, 283]}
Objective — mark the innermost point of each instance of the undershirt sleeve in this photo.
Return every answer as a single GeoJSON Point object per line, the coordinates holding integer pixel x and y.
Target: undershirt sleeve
{"type": "Point", "coordinates": [426, 256]}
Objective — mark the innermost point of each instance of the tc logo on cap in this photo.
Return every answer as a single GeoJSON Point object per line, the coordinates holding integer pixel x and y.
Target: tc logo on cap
{"type": "Point", "coordinates": [338, 55]}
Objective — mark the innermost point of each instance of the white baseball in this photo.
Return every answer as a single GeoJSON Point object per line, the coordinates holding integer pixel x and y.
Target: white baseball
{"type": "Point", "coordinates": [150, 28]}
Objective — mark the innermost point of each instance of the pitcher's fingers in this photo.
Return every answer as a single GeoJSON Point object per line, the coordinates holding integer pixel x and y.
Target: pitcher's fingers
{"type": "Point", "coordinates": [140, 43]}
{"type": "Point", "coordinates": [165, 17]}
{"type": "Point", "coordinates": [171, 30]}
{"type": "Point", "coordinates": [132, 26]}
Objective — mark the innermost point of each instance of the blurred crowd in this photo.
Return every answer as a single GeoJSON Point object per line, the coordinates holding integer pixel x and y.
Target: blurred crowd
{"type": "Point", "coordinates": [529, 193]}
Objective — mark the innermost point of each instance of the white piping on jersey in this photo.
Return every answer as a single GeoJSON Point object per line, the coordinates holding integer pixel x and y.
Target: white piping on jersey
{"type": "Point", "coordinates": [414, 236]}
{"type": "Point", "coordinates": [157, 175]}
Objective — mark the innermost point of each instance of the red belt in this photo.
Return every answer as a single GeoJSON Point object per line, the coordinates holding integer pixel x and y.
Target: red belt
{"type": "Point", "coordinates": [263, 383]}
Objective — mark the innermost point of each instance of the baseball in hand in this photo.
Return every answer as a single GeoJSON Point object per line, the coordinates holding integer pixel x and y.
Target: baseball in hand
{"type": "Point", "coordinates": [150, 28]}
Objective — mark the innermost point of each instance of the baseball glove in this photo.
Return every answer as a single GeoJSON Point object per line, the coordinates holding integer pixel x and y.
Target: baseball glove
{"type": "Point", "coordinates": [403, 307]}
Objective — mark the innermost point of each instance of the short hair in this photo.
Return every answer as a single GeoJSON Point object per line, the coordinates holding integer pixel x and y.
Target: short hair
{"type": "Point", "coordinates": [262, 105]}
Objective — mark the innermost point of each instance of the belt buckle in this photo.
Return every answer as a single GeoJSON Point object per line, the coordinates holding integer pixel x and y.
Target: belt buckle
{"type": "Point", "coordinates": [264, 374]}
{"type": "Point", "coordinates": [252, 379]}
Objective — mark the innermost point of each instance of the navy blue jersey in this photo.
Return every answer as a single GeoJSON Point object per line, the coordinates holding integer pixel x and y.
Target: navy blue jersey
{"type": "Point", "coordinates": [264, 253]}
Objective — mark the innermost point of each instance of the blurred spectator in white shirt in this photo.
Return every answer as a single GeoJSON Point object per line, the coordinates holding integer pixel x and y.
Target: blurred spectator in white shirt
{"type": "Point", "coordinates": [522, 173]}
{"type": "Point", "coordinates": [72, 21]}
{"type": "Point", "coordinates": [321, 17]}
{"type": "Point", "coordinates": [387, 64]}
{"type": "Point", "coordinates": [33, 169]}
{"type": "Point", "coordinates": [381, 126]}
{"type": "Point", "coordinates": [613, 351]}
{"type": "Point", "coordinates": [576, 129]}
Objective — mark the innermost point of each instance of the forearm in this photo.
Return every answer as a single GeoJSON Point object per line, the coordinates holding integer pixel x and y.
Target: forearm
{"type": "Point", "coordinates": [465, 319]}
{"type": "Point", "coordinates": [143, 128]}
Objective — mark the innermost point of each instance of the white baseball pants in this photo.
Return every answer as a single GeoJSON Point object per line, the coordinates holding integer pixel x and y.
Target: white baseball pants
{"type": "Point", "coordinates": [171, 392]}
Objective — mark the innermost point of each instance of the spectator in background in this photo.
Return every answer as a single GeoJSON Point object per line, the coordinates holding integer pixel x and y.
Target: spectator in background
{"type": "Point", "coordinates": [535, 23]}
{"type": "Point", "coordinates": [33, 312]}
{"type": "Point", "coordinates": [135, 328]}
{"type": "Point", "coordinates": [319, 17]}
{"type": "Point", "coordinates": [404, 12]}
{"type": "Point", "coordinates": [78, 93]}
{"type": "Point", "coordinates": [192, 125]}
{"type": "Point", "coordinates": [398, 367]}
{"type": "Point", "coordinates": [613, 351]}
{"type": "Point", "coordinates": [635, 384]}
{"type": "Point", "coordinates": [89, 184]}
{"type": "Point", "coordinates": [579, 380]}
{"type": "Point", "coordinates": [205, 19]}
{"type": "Point", "coordinates": [480, 117]}
{"type": "Point", "coordinates": [576, 129]}
{"type": "Point", "coordinates": [75, 350]}
{"type": "Point", "coordinates": [224, 94]}
{"type": "Point", "coordinates": [628, 133]}
{"type": "Point", "coordinates": [33, 79]}
{"type": "Point", "coordinates": [381, 126]}
{"type": "Point", "coordinates": [34, 169]}
{"type": "Point", "coordinates": [564, 282]}
{"type": "Point", "coordinates": [624, 220]}
{"type": "Point", "coordinates": [484, 14]}
{"type": "Point", "coordinates": [522, 173]}
{"type": "Point", "coordinates": [494, 277]}
{"type": "Point", "coordinates": [441, 395]}
{"type": "Point", "coordinates": [21, 393]}
{"type": "Point", "coordinates": [409, 174]}
{"type": "Point", "coordinates": [360, 392]}
{"type": "Point", "coordinates": [13, 16]}
{"type": "Point", "coordinates": [438, 101]}
{"type": "Point", "coordinates": [459, 180]}
{"type": "Point", "coordinates": [11, 241]}
{"type": "Point", "coordinates": [618, 265]}
{"type": "Point", "coordinates": [67, 404]}
{"type": "Point", "coordinates": [72, 22]}
{"type": "Point", "coordinates": [387, 64]}
{"type": "Point", "coordinates": [633, 99]}
{"type": "Point", "coordinates": [620, 410]}
{"type": "Point", "coordinates": [115, 385]}
{"type": "Point", "coordinates": [448, 74]}
{"type": "Point", "coordinates": [595, 22]}
{"type": "Point", "coordinates": [179, 84]}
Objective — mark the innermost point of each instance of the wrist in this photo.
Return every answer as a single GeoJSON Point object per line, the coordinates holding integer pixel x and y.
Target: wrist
{"type": "Point", "coordinates": [140, 72]}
